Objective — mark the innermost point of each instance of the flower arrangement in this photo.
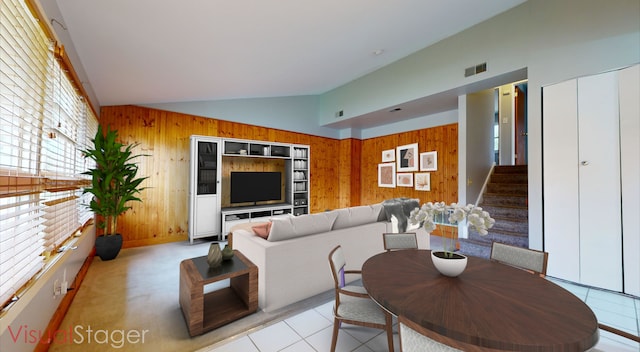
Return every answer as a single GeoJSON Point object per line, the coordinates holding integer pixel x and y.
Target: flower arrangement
{"type": "Point", "coordinates": [431, 214]}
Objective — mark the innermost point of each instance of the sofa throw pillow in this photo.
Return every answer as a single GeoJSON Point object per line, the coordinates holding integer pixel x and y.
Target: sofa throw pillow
{"type": "Point", "coordinates": [359, 215]}
{"type": "Point", "coordinates": [303, 225]}
{"type": "Point", "coordinates": [262, 229]}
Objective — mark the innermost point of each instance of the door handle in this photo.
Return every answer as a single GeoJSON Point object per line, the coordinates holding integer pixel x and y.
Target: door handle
{"type": "Point", "coordinates": [584, 163]}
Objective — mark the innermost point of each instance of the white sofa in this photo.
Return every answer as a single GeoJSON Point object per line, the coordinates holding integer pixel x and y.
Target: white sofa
{"type": "Point", "coordinates": [293, 261]}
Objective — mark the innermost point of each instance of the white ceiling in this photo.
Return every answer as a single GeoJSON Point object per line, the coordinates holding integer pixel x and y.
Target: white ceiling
{"type": "Point", "coordinates": [157, 51]}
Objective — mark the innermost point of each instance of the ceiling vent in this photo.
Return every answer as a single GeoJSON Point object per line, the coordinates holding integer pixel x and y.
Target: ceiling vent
{"type": "Point", "coordinates": [473, 70]}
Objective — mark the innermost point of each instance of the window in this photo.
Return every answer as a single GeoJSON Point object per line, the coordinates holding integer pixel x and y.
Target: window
{"type": "Point", "coordinates": [45, 123]}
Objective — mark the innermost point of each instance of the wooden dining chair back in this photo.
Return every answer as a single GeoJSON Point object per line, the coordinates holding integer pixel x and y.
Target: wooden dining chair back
{"type": "Point", "coordinates": [413, 338]}
{"type": "Point", "coordinates": [524, 258]}
{"type": "Point", "coordinates": [393, 241]}
{"type": "Point", "coordinates": [352, 303]}
{"type": "Point", "coordinates": [619, 332]}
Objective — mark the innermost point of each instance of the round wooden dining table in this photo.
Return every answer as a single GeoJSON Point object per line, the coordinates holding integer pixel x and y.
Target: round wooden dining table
{"type": "Point", "coordinates": [490, 306]}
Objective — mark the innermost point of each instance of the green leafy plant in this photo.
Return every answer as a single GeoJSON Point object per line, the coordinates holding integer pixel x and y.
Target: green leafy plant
{"type": "Point", "coordinates": [114, 180]}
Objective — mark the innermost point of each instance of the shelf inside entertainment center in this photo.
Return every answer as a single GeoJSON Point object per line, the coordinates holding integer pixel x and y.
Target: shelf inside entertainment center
{"type": "Point", "coordinates": [262, 156]}
{"type": "Point", "coordinates": [256, 213]}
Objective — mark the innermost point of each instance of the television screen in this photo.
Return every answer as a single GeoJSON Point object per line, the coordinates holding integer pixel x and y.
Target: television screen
{"type": "Point", "coordinates": [255, 186]}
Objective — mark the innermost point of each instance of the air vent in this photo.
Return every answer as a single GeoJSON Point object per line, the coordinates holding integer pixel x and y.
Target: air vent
{"type": "Point", "coordinates": [470, 71]}
{"type": "Point", "coordinates": [473, 70]}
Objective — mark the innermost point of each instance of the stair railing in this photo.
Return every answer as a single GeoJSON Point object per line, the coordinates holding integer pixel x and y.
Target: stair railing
{"type": "Point", "coordinates": [486, 182]}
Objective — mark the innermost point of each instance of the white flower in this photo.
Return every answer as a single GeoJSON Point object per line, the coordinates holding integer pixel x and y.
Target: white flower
{"type": "Point", "coordinates": [457, 215]}
{"type": "Point", "coordinates": [431, 214]}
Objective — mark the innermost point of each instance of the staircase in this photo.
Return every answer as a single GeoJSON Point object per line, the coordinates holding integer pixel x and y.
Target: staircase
{"type": "Point", "coordinates": [506, 200]}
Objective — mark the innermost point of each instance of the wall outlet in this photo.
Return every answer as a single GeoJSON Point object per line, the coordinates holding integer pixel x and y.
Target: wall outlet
{"type": "Point", "coordinates": [56, 288]}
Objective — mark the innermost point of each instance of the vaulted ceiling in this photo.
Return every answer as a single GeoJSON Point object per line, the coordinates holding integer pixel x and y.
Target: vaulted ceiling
{"type": "Point", "coordinates": [155, 51]}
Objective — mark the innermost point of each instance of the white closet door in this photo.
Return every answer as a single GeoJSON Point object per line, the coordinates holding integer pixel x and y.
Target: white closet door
{"type": "Point", "coordinates": [599, 182]}
{"type": "Point", "coordinates": [629, 80]}
{"type": "Point", "coordinates": [560, 175]}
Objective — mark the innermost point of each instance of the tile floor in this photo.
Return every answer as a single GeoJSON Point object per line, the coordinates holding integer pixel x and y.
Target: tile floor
{"type": "Point", "coordinates": [311, 330]}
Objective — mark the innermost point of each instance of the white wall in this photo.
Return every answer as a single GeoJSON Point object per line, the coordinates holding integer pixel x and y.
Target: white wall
{"type": "Point", "coordinates": [297, 114]}
{"type": "Point", "coordinates": [439, 119]}
{"type": "Point", "coordinates": [36, 307]}
{"type": "Point", "coordinates": [479, 136]}
{"type": "Point", "coordinates": [553, 40]}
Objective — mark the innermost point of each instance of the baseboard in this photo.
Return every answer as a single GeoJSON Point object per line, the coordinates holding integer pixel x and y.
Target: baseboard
{"type": "Point", "coordinates": [153, 241]}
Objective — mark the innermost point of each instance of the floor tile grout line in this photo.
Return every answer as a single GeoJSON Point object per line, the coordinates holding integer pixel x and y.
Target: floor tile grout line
{"type": "Point", "coordinates": [589, 293]}
{"type": "Point", "coordinates": [302, 338]}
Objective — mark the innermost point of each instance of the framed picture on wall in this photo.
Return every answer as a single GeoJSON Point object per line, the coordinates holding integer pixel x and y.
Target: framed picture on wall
{"type": "Point", "coordinates": [407, 157]}
{"type": "Point", "coordinates": [388, 155]}
{"type": "Point", "coordinates": [423, 182]}
{"type": "Point", "coordinates": [404, 179]}
{"type": "Point", "coordinates": [429, 161]}
{"type": "Point", "coordinates": [387, 175]}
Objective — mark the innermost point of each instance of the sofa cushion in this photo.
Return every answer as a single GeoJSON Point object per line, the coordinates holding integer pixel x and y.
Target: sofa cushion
{"type": "Point", "coordinates": [355, 216]}
{"type": "Point", "coordinates": [303, 225]}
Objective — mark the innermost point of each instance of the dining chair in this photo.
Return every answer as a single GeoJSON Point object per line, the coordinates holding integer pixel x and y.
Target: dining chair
{"type": "Point", "coordinates": [399, 241]}
{"type": "Point", "coordinates": [353, 305]}
{"type": "Point", "coordinates": [603, 345]}
{"type": "Point", "coordinates": [412, 339]}
{"type": "Point", "coordinates": [530, 260]}
{"type": "Point", "coordinates": [618, 332]}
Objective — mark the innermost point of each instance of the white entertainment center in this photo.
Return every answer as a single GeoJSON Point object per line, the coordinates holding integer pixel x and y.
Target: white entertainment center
{"type": "Point", "coordinates": [210, 155]}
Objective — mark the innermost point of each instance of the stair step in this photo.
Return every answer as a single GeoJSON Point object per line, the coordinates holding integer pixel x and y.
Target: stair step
{"type": "Point", "coordinates": [506, 200]}
{"type": "Point", "coordinates": [514, 238]}
{"type": "Point", "coordinates": [508, 188]}
{"type": "Point", "coordinates": [512, 212]}
{"type": "Point", "coordinates": [511, 224]}
{"type": "Point", "coordinates": [475, 248]}
{"type": "Point", "coordinates": [511, 169]}
{"type": "Point", "coordinates": [497, 199]}
{"type": "Point", "coordinates": [482, 247]}
{"type": "Point", "coordinates": [509, 178]}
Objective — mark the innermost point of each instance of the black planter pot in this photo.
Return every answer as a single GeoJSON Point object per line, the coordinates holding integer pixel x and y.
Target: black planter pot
{"type": "Point", "coordinates": [108, 247]}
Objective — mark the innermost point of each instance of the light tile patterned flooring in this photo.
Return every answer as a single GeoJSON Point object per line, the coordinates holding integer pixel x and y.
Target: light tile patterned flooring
{"type": "Point", "coordinates": [311, 330]}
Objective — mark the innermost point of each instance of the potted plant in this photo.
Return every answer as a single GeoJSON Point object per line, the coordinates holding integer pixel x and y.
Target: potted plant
{"type": "Point", "coordinates": [114, 183]}
{"type": "Point", "coordinates": [449, 216]}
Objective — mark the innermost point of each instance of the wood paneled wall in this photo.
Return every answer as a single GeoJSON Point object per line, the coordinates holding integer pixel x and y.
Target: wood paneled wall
{"type": "Point", "coordinates": [444, 181]}
{"type": "Point", "coordinates": [342, 172]}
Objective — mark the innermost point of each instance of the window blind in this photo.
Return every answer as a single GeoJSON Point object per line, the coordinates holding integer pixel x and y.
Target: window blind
{"type": "Point", "coordinates": [45, 124]}
{"type": "Point", "coordinates": [23, 65]}
{"type": "Point", "coordinates": [21, 243]}
{"type": "Point", "coordinates": [63, 115]}
{"type": "Point", "coordinates": [23, 72]}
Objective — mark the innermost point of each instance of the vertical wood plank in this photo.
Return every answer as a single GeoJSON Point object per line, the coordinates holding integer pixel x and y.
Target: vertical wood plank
{"type": "Point", "coordinates": [342, 172]}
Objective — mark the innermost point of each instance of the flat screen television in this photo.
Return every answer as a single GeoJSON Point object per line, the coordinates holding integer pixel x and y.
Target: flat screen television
{"type": "Point", "coordinates": [255, 186]}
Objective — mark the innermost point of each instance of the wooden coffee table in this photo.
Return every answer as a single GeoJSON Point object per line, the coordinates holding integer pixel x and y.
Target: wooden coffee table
{"type": "Point", "coordinates": [204, 312]}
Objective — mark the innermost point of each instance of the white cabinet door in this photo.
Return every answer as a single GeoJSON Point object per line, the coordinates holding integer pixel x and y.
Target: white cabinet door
{"type": "Point", "coordinates": [204, 187]}
{"type": "Point", "coordinates": [206, 216]}
{"type": "Point", "coordinates": [560, 174]}
{"type": "Point", "coordinates": [629, 81]}
{"type": "Point", "coordinates": [581, 171]}
{"type": "Point", "coordinates": [599, 181]}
